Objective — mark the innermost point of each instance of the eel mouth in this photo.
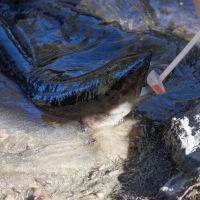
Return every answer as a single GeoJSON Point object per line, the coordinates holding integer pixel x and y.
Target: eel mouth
{"type": "Point", "coordinates": [140, 83]}
{"type": "Point", "coordinates": [141, 79]}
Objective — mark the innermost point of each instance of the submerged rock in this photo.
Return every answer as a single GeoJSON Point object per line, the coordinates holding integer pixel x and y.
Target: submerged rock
{"type": "Point", "coordinates": [172, 17]}
{"type": "Point", "coordinates": [181, 186]}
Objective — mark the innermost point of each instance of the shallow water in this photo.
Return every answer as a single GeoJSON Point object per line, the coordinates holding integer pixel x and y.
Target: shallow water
{"type": "Point", "coordinates": [64, 39]}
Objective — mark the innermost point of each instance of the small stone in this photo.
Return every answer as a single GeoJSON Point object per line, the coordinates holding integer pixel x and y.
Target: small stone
{"type": "Point", "coordinates": [86, 192]}
{"type": "Point", "coordinates": [114, 173]}
{"type": "Point", "coordinates": [102, 167]}
{"type": "Point", "coordinates": [10, 197]}
{"type": "Point", "coordinates": [100, 195]}
{"type": "Point", "coordinates": [96, 179]}
{"type": "Point", "coordinates": [3, 135]}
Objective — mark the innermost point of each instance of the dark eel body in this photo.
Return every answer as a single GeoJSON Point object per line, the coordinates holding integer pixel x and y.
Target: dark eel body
{"type": "Point", "coordinates": [99, 98]}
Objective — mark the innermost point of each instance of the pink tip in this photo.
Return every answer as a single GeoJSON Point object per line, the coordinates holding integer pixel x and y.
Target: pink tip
{"type": "Point", "coordinates": [158, 89]}
{"type": "Point", "coordinates": [154, 81]}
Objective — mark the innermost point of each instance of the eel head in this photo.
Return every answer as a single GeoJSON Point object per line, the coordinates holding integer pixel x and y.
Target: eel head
{"type": "Point", "coordinates": [115, 91]}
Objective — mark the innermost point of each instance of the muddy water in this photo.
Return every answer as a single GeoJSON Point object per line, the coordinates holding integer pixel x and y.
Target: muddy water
{"type": "Point", "coordinates": [66, 40]}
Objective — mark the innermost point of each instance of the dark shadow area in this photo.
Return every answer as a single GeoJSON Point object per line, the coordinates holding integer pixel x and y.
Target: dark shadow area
{"type": "Point", "coordinates": [31, 197]}
{"type": "Point", "coordinates": [149, 165]}
{"type": "Point", "coordinates": [72, 2]}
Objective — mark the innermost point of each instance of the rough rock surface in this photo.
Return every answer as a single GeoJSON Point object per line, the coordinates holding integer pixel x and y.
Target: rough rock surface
{"type": "Point", "coordinates": [183, 138]}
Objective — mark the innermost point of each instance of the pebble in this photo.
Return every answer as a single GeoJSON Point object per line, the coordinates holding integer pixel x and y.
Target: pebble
{"type": "Point", "coordinates": [100, 195]}
{"type": "Point", "coordinates": [102, 167]}
{"type": "Point", "coordinates": [114, 173]}
{"type": "Point", "coordinates": [3, 135]}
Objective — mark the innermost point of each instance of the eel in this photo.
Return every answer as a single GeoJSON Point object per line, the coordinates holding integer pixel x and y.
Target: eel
{"type": "Point", "coordinates": [96, 99]}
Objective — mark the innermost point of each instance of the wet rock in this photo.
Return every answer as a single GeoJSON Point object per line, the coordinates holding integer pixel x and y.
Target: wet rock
{"type": "Point", "coordinates": [180, 186]}
{"type": "Point", "coordinates": [183, 139]}
{"type": "Point", "coordinates": [174, 17]}
{"type": "Point", "coordinates": [122, 12]}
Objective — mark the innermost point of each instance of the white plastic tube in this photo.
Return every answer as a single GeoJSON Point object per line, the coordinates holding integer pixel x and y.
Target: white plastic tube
{"type": "Point", "coordinates": [181, 55]}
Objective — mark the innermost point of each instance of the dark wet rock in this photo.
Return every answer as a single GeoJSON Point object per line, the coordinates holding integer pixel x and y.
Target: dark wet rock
{"type": "Point", "coordinates": [146, 172]}
{"type": "Point", "coordinates": [183, 139]}
{"type": "Point", "coordinates": [178, 186]}
{"type": "Point", "coordinates": [122, 12]}
{"type": "Point", "coordinates": [174, 17]}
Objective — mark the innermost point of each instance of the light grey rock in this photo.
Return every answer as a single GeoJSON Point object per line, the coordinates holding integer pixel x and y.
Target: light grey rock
{"type": "Point", "coordinates": [174, 17]}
